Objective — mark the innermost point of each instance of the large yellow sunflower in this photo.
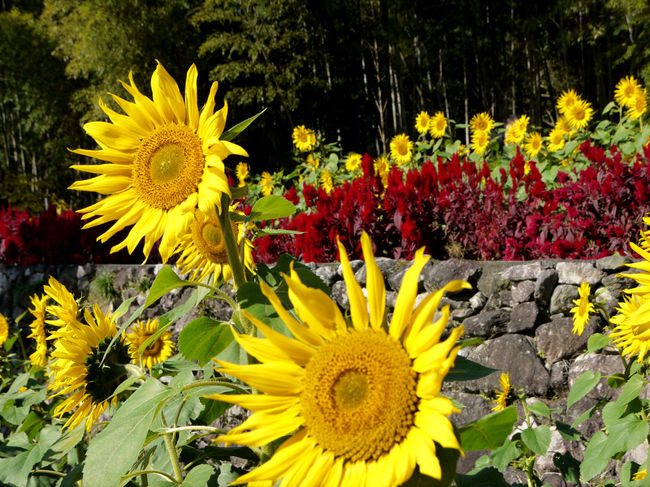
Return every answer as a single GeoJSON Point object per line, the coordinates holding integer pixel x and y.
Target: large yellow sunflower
{"type": "Point", "coordinates": [203, 251]}
{"type": "Point", "coordinates": [643, 277]}
{"type": "Point", "coordinates": [580, 114]}
{"type": "Point", "coordinates": [165, 158]}
{"type": "Point", "coordinates": [360, 397]}
{"type": "Point", "coordinates": [481, 122]}
{"type": "Point", "coordinates": [4, 329]}
{"type": "Point", "coordinates": [157, 352]}
{"type": "Point", "coordinates": [77, 368]}
{"type": "Point", "coordinates": [632, 331]}
{"type": "Point", "coordinates": [626, 90]}
{"type": "Point", "coordinates": [401, 149]}
{"type": "Point", "coordinates": [438, 125]}
{"type": "Point", "coordinates": [37, 327]}
{"type": "Point", "coordinates": [582, 309]}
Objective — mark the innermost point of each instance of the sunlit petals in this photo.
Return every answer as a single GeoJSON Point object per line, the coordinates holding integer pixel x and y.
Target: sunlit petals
{"type": "Point", "coordinates": [406, 296]}
{"type": "Point", "coordinates": [358, 305]}
{"type": "Point", "coordinates": [374, 284]}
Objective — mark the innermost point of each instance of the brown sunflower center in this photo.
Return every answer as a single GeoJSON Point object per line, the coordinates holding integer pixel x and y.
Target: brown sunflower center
{"type": "Point", "coordinates": [359, 396]}
{"type": "Point", "coordinates": [168, 166]}
{"type": "Point", "coordinates": [153, 349]}
{"type": "Point", "coordinates": [208, 239]}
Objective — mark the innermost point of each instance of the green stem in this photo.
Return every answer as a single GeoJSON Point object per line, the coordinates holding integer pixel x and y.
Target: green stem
{"type": "Point", "coordinates": [173, 455]}
{"type": "Point", "coordinates": [146, 472]}
{"type": "Point", "coordinates": [210, 429]}
{"type": "Point", "coordinates": [234, 387]}
{"type": "Point", "coordinates": [48, 472]}
{"type": "Point", "coordinates": [230, 241]}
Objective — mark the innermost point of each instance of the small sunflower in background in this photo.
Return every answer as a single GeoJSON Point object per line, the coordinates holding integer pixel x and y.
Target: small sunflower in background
{"type": "Point", "coordinates": [422, 122]}
{"type": "Point", "coordinates": [241, 171]}
{"type": "Point", "coordinates": [4, 329]}
{"type": "Point", "coordinates": [82, 369]}
{"type": "Point", "coordinates": [360, 398]}
{"type": "Point", "coordinates": [401, 149]}
{"type": "Point", "coordinates": [37, 327]}
{"type": "Point", "coordinates": [481, 122]}
{"type": "Point", "coordinates": [582, 309]}
{"type": "Point", "coordinates": [555, 140]}
{"type": "Point", "coordinates": [155, 353]}
{"type": "Point", "coordinates": [639, 105]}
{"type": "Point", "coordinates": [203, 250]}
{"type": "Point", "coordinates": [516, 130]}
{"type": "Point", "coordinates": [353, 162]}
{"type": "Point", "coordinates": [266, 183]}
{"type": "Point", "coordinates": [303, 138]}
{"type": "Point", "coordinates": [382, 168]}
{"type": "Point", "coordinates": [501, 400]}
{"type": "Point", "coordinates": [165, 159]}
{"type": "Point", "coordinates": [566, 100]}
{"type": "Point", "coordinates": [480, 141]}
{"type": "Point", "coordinates": [64, 308]}
{"type": "Point", "coordinates": [326, 181]}
{"type": "Point", "coordinates": [438, 125]}
{"type": "Point", "coordinates": [626, 91]}
{"type": "Point", "coordinates": [580, 114]}
{"type": "Point", "coordinates": [533, 144]}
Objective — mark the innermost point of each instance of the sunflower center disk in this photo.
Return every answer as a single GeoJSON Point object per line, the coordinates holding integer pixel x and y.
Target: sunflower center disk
{"type": "Point", "coordinates": [208, 239]}
{"type": "Point", "coordinates": [168, 166]}
{"type": "Point", "coordinates": [104, 374]}
{"type": "Point", "coordinates": [359, 395]}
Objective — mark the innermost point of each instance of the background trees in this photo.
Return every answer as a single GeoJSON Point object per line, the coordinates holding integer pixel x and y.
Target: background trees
{"type": "Point", "coordinates": [358, 71]}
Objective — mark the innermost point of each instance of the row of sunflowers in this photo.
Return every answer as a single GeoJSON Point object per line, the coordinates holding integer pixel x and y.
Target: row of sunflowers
{"type": "Point", "coordinates": [338, 397]}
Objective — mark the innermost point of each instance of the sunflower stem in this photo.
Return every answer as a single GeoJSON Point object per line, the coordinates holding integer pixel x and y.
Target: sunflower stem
{"type": "Point", "coordinates": [230, 241]}
{"type": "Point", "coordinates": [160, 473]}
{"type": "Point", "coordinates": [173, 456]}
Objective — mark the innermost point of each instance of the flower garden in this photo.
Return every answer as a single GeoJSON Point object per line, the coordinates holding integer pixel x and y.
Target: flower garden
{"type": "Point", "coordinates": [336, 396]}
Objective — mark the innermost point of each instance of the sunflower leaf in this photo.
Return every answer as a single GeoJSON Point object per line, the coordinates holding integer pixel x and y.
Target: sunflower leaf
{"type": "Point", "coordinates": [116, 448]}
{"type": "Point", "coordinates": [581, 387]}
{"type": "Point", "coordinates": [233, 132]}
{"type": "Point", "coordinates": [488, 432]}
{"type": "Point", "coordinates": [165, 281]}
{"type": "Point", "coordinates": [198, 476]}
{"type": "Point", "coordinates": [466, 369]}
{"type": "Point", "coordinates": [204, 338]}
{"type": "Point", "coordinates": [271, 207]}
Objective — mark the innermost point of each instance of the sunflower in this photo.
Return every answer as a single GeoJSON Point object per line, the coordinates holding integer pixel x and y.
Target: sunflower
{"type": "Point", "coordinates": [567, 99]}
{"type": "Point", "coordinates": [157, 352]}
{"type": "Point", "coordinates": [502, 395]}
{"type": "Point", "coordinates": [312, 163]}
{"type": "Point", "coordinates": [4, 329]}
{"type": "Point", "coordinates": [632, 331]}
{"type": "Point", "coordinates": [555, 140]}
{"type": "Point", "coordinates": [481, 122]}
{"type": "Point", "coordinates": [639, 105]}
{"type": "Point", "coordinates": [241, 170]}
{"type": "Point", "coordinates": [438, 125]}
{"type": "Point", "coordinates": [579, 114]}
{"type": "Point", "coordinates": [353, 162]}
{"type": "Point", "coordinates": [303, 138]}
{"type": "Point", "coordinates": [266, 182]}
{"type": "Point", "coordinates": [643, 277]}
{"type": "Point", "coordinates": [382, 168]}
{"type": "Point", "coordinates": [66, 309]}
{"type": "Point", "coordinates": [79, 368]}
{"type": "Point", "coordinates": [533, 144]}
{"type": "Point", "coordinates": [582, 309]}
{"type": "Point", "coordinates": [165, 160]}
{"type": "Point", "coordinates": [640, 475]}
{"type": "Point", "coordinates": [422, 122]}
{"type": "Point", "coordinates": [462, 150]}
{"type": "Point", "coordinates": [516, 131]}
{"type": "Point", "coordinates": [480, 141]}
{"type": "Point", "coordinates": [326, 181]}
{"type": "Point", "coordinates": [203, 251]}
{"type": "Point", "coordinates": [37, 327]}
{"type": "Point", "coordinates": [361, 398]}
{"type": "Point", "coordinates": [522, 123]}
{"type": "Point", "coordinates": [626, 90]}
{"type": "Point", "coordinates": [401, 149]}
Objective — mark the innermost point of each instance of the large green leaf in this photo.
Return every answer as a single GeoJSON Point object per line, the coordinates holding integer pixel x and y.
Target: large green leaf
{"type": "Point", "coordinates": [502, 456]}
{"type": "Point", "coordinates": [271, 207]}
{"type": "Point", "coordinates": [198, 476]}
{"type": "Point", "coordinates": [204, 338]}
{"type": "Point", "coordinates": [466, 369]}
{"type": "Point", "coordinates": [165, 281]}
{"type": "Point", "coordinates": [537, 439]}
{"type": "Point", "coordinates": [15, 470]}
{"type": "Point", "coordinates": [597, 341]}
{"type": "Point", "coordinates": [116, 448]}
{"type": "Point", "coordinates": [489, 432]}
{"type": "Point", "coordinates": [581, 387]}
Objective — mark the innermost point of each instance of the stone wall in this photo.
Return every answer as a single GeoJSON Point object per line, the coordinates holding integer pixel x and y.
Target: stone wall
{"type": "Point", "coordinates": [519, 311]}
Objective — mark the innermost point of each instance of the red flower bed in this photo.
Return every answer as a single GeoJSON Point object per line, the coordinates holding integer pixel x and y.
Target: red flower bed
{"type": "Point", "coordinates": [455, 208]}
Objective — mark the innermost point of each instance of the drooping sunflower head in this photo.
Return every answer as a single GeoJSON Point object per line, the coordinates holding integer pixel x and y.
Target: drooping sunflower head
{"type": "Point", "coordinates": [66, 309]}
{"type": "Point", "coordinates": [438, 125]}
{"type": "Point", "coordinates": [86, 368]}
{"type": "Point", "coordinates": [632, 331]}
{"type": "Point", "coordinates": [241, 170]}
{"type": "Point", "coordinates": [157, 351]}
{"type": "Point", "coordinates": [353, 162]}
{"type": "Point", "coordinates": [303, 138]}
{"type": "Point", "coordinates": [638, 105]}
{"type": "Point", "coordinates": [533, 144]}
{"type": "Point", "coordinates": [37, 327]}
{"type": "Point", "coordinates": [165, 159]}
{"type": "Point", "coordinates": [4, 329]}
{"type": "Point", "coordinates": [580, 114]}
{"type": "Point", "coordinates": [266, 182]}
{"type": "Point", "coordinates": [567, 99]}
{"type": "Point", "coordinates": [326, 181]}
{"type": "Point", "coordinates": [203, 249]}
{"type": "Point", "coordinates": [582, 309]}
{"type": "Point", "coordinates": [481, 122]}
{"type": "Point", "coordinates": [626, 90]}
{"type": "Point", "coordinates": [401, 149]}
{"type": "Point", "coordinates": [422, 122]}
{"type": "Point", "coordinates": [359, 395]}
{"type": "Point", "coordinates": [501, 400]}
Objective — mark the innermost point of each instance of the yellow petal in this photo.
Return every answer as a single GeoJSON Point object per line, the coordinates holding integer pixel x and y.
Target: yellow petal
{"type": "Point", "coordinates": [354, 474]}
{"type": "Point", "coordinates": [264, 403]}
{"type": "Point", "coordinates": [425, 453]}
{"type": "Point", "coordinates": [358, 304]}
{"type": "Point", "coordinates": [406, 296]}
{"type": "Point", "coordinates": [103, 184]}
{"type": "Point", "coordinates": [438, 427]}
{"type": "Point", "coordinates": [166, 96]}
{"type": "Point", "coordinates": [374, 284]}
{"type": "Point", "coordinates": [107, 169]}
{"type": "Point", "coordinates": [276, 378]}
{"type": "Point", "coordinates": [206, 113]}
{"type": "Point", "coordinates": [191, 101]}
